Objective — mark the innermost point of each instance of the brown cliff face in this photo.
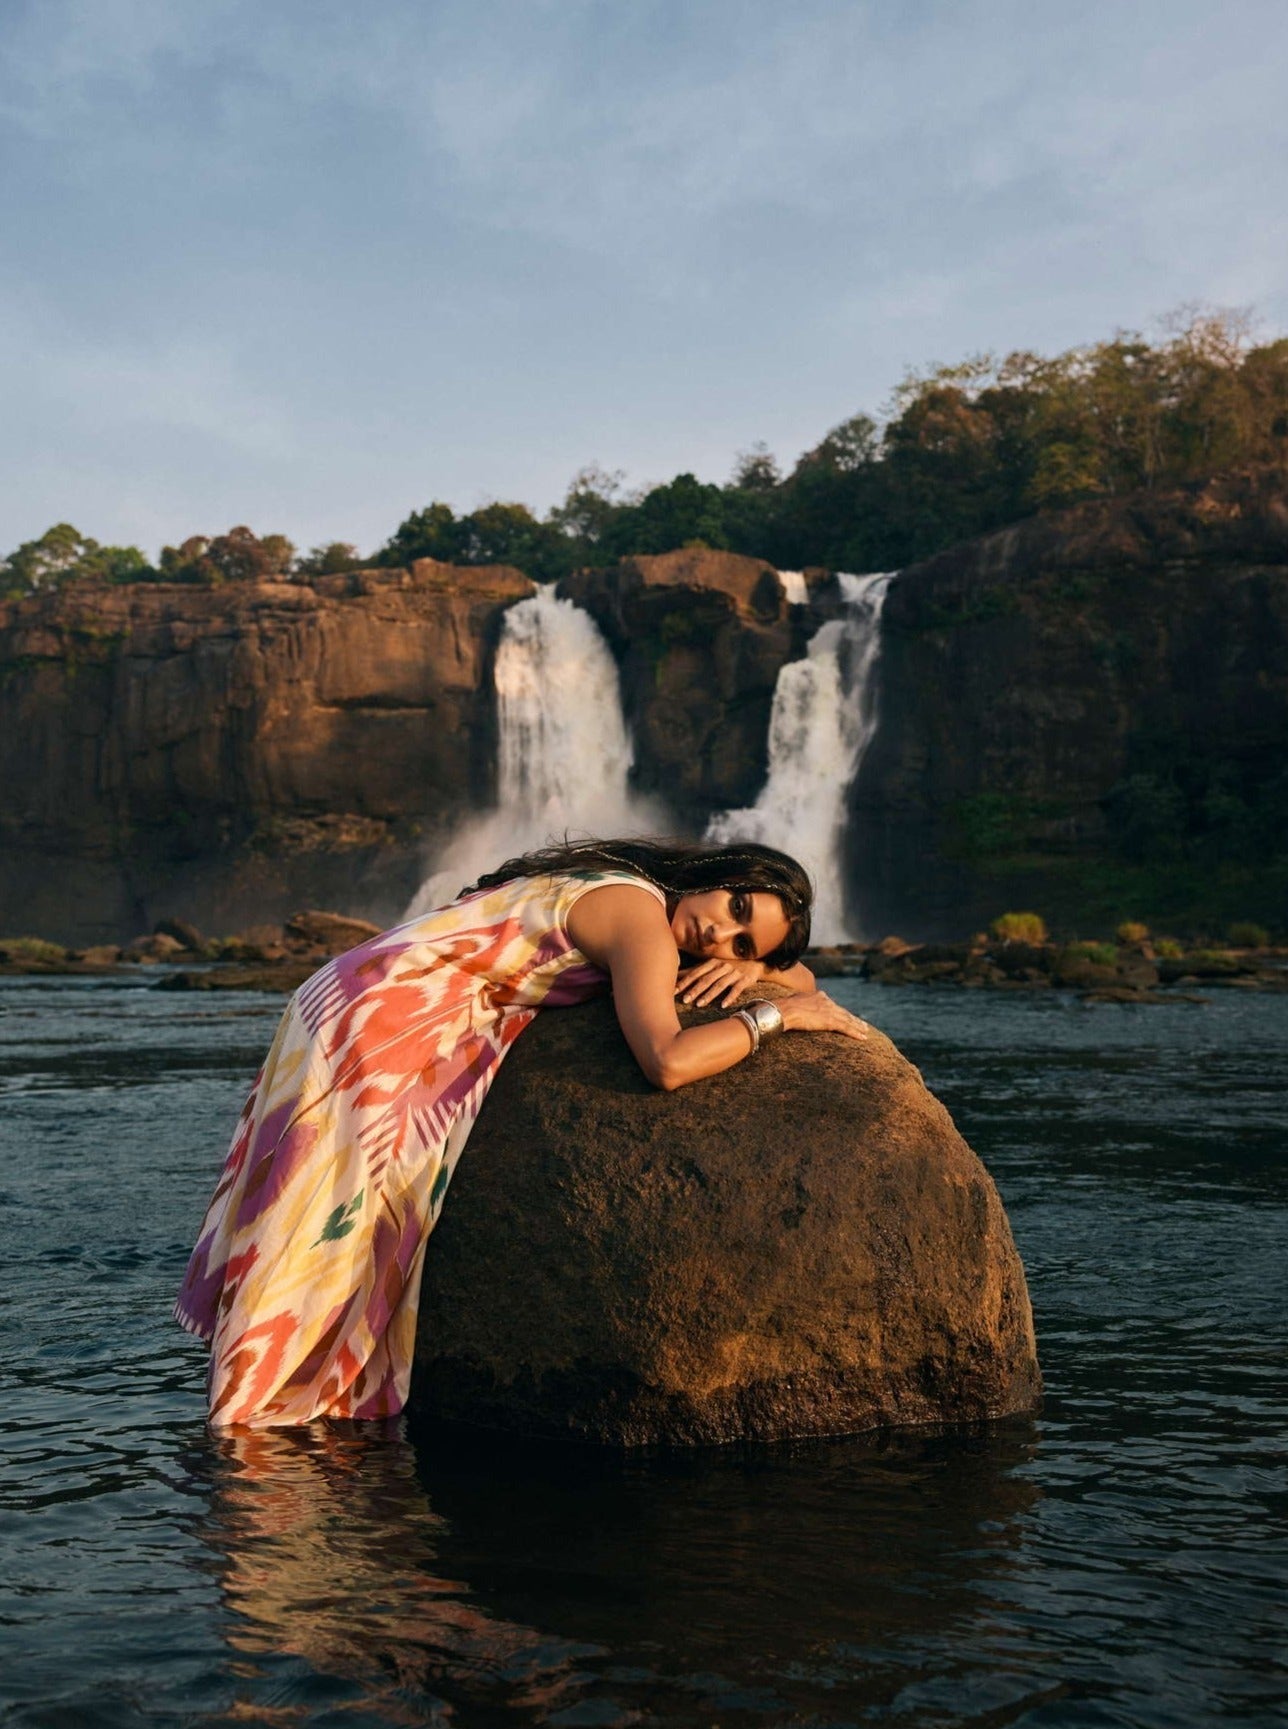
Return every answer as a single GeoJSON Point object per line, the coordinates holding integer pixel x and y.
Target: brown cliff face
{"type": "Point", "coordinates": [230, 754]}
{"type": "Point", "coordinates": [1035, 681]}
{"type": "Point", "coordinates": [700, 637]}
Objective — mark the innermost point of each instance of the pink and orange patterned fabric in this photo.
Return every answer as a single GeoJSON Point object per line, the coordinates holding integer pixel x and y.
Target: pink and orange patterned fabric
{"type": "Point", "coordinates": [306, 1273]}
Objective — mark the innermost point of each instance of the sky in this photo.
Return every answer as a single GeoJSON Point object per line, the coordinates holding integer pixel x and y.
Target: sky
{"type": "Point", "coordinates": [309, 265]}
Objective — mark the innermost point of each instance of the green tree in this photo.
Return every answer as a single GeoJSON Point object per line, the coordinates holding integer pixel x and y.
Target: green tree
{"type": "Point", "coordinates": [511, 534]}
{"type": "Point", "coordinates": [592, 504]}
{"type": "Point", "coordinates": [332, 558]}
{"type": "Point", "coordinates": [494, 534]}
{"type": "Point", "coordinates": [756, 470]}
{"type": "Point", "coordinates": [63, 554]}
{"type": "Point", "coordinates": [183, 563]}
{"type": "Point", "coordinates": [237, 556]}
{"type": "Point", "coordinates": [851, 446]}
{"type": "Point", "coordinates": [963, 449]}
{"type": "Point", "coordinates": [683, 511]}
{"type": "Point", "coordinates": [429, 533]}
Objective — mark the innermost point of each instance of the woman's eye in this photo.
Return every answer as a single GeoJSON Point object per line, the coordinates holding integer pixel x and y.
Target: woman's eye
{"type": "Point", "coordinates": [738, 906]}
{"type": "Point", "coordinates": [744, 948]}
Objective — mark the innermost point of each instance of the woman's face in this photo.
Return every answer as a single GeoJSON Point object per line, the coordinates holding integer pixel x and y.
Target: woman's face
{"type": "Point", "coordinates": [729, 924]}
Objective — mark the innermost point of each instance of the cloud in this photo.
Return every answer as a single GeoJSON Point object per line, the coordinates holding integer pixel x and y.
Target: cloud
{"type": "Point", "coordinates": [492, 239]}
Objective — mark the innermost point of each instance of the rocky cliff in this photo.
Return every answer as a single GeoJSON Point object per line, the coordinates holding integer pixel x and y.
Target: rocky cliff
{"type": "Point", "coordinates": [230, 754]}
{"type": "Point", "coordinates": [1087, 713]}
{"type": "Point", "coordinates": [700, 637]}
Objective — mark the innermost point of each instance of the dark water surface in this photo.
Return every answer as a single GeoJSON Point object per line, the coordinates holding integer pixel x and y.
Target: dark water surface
{"type": "Point", "coordinates": [1122, 1560]}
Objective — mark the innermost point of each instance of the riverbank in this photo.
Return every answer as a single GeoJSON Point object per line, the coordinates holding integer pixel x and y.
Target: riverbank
{"type": "Point", "coordinates": [265, 957]}
{"type": "Point", "coordinates": [281, 957]}
{"type": "Point", "coordinates": [1130, 972]}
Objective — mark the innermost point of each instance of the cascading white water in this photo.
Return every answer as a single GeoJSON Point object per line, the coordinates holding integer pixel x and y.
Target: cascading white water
{"type": "Point", "coordinates": [564, 755]}
{"type": "Point", "coordinates": [823, 719]}
{"type": "Point", "coordinates": [795, 591]}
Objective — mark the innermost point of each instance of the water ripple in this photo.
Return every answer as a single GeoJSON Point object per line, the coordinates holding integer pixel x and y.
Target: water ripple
{"type": "Point", "coordinates": [1119, 1562]}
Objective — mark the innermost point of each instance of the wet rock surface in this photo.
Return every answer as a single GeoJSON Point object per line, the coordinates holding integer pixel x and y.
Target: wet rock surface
{"type": "Point", "coordinates": [803, 1245]}
{"type": "Point", "coordinates": [261, 958]}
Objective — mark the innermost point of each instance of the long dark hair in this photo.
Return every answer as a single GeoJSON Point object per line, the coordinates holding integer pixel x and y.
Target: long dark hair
{"type": "Point", "coordinates": [680, 867]}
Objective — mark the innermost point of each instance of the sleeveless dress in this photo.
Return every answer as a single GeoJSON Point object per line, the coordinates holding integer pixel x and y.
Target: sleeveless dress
{"type": "Point", "coordinates": [306, 1274]}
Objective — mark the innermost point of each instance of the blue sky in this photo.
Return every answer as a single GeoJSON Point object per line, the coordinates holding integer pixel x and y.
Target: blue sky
{"type": "Point", "coordinates": [309, 265]}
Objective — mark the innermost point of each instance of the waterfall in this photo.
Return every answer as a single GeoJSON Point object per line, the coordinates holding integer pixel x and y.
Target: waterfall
{"type": "Point", "coordinates": [565, 754]}
{"type": "Point", "coordinates": [794, 590]}
{"type": "Point", "coordinates": [824, 718]}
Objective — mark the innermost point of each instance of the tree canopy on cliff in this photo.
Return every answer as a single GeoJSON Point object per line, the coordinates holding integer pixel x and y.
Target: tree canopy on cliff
{"type": "Point", "coordinates": [63, 554]}
{"type": "Point", "coordinates": [972, 447]}
{"type": "Point", "coordinates": [963, 449]}
{"type": "Point", "coordinates": [493, 534]}
{"type": "Point", "coordinates": [238, 556]}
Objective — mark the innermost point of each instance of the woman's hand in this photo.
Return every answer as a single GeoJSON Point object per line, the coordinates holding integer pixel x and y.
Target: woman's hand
{"type": "Point", "coordinates": [816, 1012]}
{"type": "Point", "coordinates": [717, 981]}
{"type": "Point", "coordinates": [625, 931]}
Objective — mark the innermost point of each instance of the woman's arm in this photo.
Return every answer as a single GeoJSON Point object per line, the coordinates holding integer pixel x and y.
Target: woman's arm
{"type": "Point", "coordinates": [625, 931]}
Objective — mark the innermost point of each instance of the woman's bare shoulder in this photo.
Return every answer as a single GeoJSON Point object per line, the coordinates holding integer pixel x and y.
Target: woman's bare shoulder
{"type": "Point", "coordinates": [607, 915]}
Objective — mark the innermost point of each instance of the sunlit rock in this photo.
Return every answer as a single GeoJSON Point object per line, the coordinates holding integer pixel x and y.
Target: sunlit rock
{"type": "Point", "coordinates": [803, 1245]}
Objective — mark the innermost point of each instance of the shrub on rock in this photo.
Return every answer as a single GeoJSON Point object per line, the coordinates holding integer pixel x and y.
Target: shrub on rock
{"type": "Point", "coordinates": [1019, 928]}
{"type": "Point", "coordinates": [1245, 935]}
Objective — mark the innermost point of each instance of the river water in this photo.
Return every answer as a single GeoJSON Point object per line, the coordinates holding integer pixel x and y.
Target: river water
{"type": "Point", "coordinates": [1120, 1560]}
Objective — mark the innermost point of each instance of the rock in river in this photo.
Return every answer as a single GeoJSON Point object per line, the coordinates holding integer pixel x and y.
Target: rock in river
{"type": "Point", "coordinates": [803, 1245]}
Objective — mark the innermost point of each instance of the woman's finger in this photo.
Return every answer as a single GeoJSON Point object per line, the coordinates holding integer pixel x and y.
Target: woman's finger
{"type": "Point", "coordinates": [709, 989]}
{"type": "Point", "coordinates": [705, 981]}
{"type": "Point", "coordinates": [691, 975]}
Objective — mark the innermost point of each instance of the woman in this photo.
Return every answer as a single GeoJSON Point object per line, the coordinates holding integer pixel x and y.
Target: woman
{"type": "Point", "coordinates": [306, 1274]}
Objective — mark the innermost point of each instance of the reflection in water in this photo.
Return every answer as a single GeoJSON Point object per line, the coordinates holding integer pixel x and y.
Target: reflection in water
{"type": "Point", "coordinates": [448, 1572]}
{"type": "Point", "coordinates": [329, 1552]}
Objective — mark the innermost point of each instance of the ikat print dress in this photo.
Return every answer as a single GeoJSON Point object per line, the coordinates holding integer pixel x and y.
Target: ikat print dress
{"type": "Point", "coordinates": [306, 1274]}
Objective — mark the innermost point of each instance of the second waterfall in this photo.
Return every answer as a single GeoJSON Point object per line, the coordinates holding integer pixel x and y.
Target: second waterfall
{"type": "Point", "coordinates": [823, 720]}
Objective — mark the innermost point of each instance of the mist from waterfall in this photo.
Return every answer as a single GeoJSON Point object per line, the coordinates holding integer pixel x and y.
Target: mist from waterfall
{"type": "Point", "coordinates": [564, 752]}
{"type": "Point", "coordinates": [824, 717]}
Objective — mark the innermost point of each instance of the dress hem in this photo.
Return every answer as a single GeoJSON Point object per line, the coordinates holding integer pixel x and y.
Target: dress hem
{"type": "Point", "coordinates": [190, 1324]}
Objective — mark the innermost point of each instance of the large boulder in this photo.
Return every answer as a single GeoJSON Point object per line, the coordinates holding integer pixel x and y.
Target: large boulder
{"type": "Point", "coordinates": [803, 1245]}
